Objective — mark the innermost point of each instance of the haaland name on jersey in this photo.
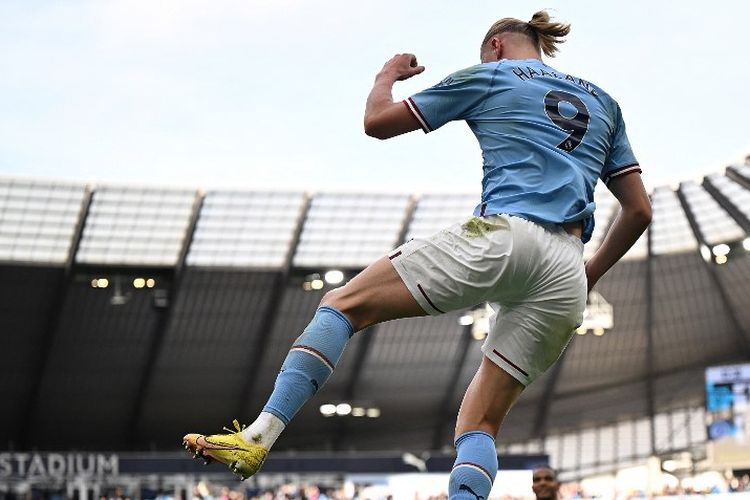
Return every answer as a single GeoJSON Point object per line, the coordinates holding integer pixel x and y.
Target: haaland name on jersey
{"type": "Point", "coordinates": [531, 73]}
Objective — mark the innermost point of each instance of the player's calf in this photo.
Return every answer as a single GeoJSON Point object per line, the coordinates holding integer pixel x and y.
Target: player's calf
{"type": "Point", "coordinates": [475, 467]}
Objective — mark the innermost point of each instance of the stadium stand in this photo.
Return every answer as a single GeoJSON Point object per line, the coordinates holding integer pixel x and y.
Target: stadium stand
{"type": "Point", "coordinates": [123, 307]}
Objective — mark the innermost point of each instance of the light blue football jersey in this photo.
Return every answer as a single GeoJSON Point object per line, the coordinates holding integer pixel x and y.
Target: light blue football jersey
{"type": "Point", "coordinates": [546, 137]}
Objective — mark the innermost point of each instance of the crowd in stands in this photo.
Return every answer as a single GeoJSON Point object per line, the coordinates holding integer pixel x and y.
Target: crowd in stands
{"type": "Point", "coordinates": [290, 491]}
{"type": "Point", "coordinates": [284, 492]}
{"type": "Point", "coordinates": [740, 484]}
{"type": "Point", "coordinates": [314, 492]}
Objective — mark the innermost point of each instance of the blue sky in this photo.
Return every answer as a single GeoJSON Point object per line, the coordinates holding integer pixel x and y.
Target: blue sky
{"type": "Point", "coordinates": [270, 94]}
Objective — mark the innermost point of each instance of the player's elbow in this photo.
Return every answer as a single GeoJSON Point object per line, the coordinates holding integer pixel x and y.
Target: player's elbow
{"type": "Point", "coordinates": [374, 128]}
{"type": "Point", "coordinates": [375, 133]}
{"type": "Point", "coordinates": [642, 213]}
{"type": "Point", "coordinates": [645, 213]}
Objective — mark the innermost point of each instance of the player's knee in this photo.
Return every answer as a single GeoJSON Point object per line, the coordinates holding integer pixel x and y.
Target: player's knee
{"type": "Point", "coordinates": [349, 304]}
{"type": "Point", "coordinates": [335, 298]}
{"type": "Point", "coordinates": [490, 425]}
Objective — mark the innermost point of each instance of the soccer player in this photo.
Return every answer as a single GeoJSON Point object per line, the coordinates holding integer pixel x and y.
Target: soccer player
{"type": "Point", "coordinates": [544, 483]}
{"type": "Point", "coordinates": [546, 138]}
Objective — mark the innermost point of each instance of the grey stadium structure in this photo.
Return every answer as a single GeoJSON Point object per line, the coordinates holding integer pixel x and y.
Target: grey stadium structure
{"type": "Point", "coordinates": [131, 315]}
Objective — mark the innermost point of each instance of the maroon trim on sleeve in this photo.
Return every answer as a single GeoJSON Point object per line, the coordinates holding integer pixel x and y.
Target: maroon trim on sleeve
{"type": "Point", "coordinates": [414, 109]}
{"type": "Point", "coordinates": [624, 170]}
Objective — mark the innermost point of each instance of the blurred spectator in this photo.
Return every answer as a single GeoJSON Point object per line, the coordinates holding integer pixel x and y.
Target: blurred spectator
{"type": "Point", "coordinates": [545, 484]}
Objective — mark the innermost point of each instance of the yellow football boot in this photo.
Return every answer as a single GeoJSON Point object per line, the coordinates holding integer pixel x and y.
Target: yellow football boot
{"type": "Point", "coordinates": [242, 458]}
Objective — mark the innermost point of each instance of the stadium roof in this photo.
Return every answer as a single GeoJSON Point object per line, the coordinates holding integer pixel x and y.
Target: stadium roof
{"type": "Point", "coordinates": [130, 316]}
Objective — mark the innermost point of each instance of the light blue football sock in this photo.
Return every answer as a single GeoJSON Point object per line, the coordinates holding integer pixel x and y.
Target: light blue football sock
{"type": "Point", "coordinates": [475, 467]}
{"type": "Point", "coordinates": [310, 362]}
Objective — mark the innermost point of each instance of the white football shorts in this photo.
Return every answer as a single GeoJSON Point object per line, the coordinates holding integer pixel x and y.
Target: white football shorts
{"type": "Point", "coordinates": [531, 274]}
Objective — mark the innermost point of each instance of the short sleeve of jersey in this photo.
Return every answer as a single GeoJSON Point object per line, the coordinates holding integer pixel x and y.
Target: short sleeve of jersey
{"type": "Point", "coordinates": [620, 160]}
{"type": "Point", "coordinates": [457, 97]}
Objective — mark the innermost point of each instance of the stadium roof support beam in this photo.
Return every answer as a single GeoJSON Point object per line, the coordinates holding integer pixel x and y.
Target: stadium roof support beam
{"type": "Point", "coordinates": [443, 411]}
{"type": "Point", "coordinates": [739, 331]}
{"type": "Point", "coordinates": [369, 335]}
{"type": "Point", "coordinates": [53, 319]}
{"type": "Point", "coordinates": [162, 323]}
{"type": "Point", "coordinates": [411, 207]}
{"type": "Point", "coordinates": [359, 361]}
{"type": "Point", "coordinates": [650, 390]}
{"type": "Point", "coordinates": [271, 313]}
{"type": "Point", "coordinates": [736, 176]}
{"type": "Point", "coordinates": [727, 205]}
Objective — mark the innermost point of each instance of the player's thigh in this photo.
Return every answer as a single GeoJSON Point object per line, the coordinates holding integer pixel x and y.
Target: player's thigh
{"type": "Point", "coordinates": [526, 339]}
{"type": "Point", "coordinates": [460, 266]}
{"type": "Point", "coordinates": [375, 295]}
{"type": "Point", "coordinates": [489, 397]}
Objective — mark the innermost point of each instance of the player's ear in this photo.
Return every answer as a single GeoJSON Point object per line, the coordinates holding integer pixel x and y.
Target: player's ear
{"type": "Point", "coordinates": [497, 47]}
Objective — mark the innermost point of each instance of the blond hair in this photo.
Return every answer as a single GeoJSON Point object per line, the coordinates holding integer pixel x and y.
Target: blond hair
{"type": "Point", "coordinates": [544, 33]}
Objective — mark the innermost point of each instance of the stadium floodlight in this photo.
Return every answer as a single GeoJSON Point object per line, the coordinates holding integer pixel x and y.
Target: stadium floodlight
{"type": "Point", "coordinates": [598, 314]}
{"type": "Point", "coordinates": [358, 411]}
{"type": "Point", "coordinates": [479, 319]}
{"type": "Point", "coordinates": [151, 283]}
{"type": "Point", "coordinates": [705, 253]}
{"type": "Point", "coordinates": [334, 277]}
{"type": "Point", "coordinates": [373, 412]}
{"type": "Point", "coordinates": [598, 331]}
{"type": "Point", "coordinates": [343, 409]}
{"type": "Point", "coordinates": [313, 282]}
{"type": "Point", "coordinates": [480, 328]}
{"type": "Point", "coordinates": [328, 410]}
{"type": "Point", "coordinates": [721, 250]}
{"type": "Point", "coordinates": [721, 259]}
{"type": "Point", "coordinates": [102, 283]}
{"type": "Point", "coordinates": [746, 244]}
{"type": "Point", "coordinates": [581, 330]}
{"type": "Point", "coordinates": [466, 320]}
{"type": "Point", "coordinates": [139, 283]}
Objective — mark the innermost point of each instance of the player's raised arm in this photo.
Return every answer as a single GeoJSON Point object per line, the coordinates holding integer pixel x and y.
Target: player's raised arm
{"type": "Point", "coordinates": [384, 118]}
{"type": "Point", "coordinates": [631, 222]}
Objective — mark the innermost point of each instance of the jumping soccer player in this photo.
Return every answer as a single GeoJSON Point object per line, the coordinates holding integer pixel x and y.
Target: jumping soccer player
{"type": "Point", "coordinates": [546, 137]}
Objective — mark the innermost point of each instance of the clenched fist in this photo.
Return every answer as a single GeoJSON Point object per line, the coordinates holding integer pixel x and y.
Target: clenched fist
{"type": "Point", "coordinates": [401, 67]}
